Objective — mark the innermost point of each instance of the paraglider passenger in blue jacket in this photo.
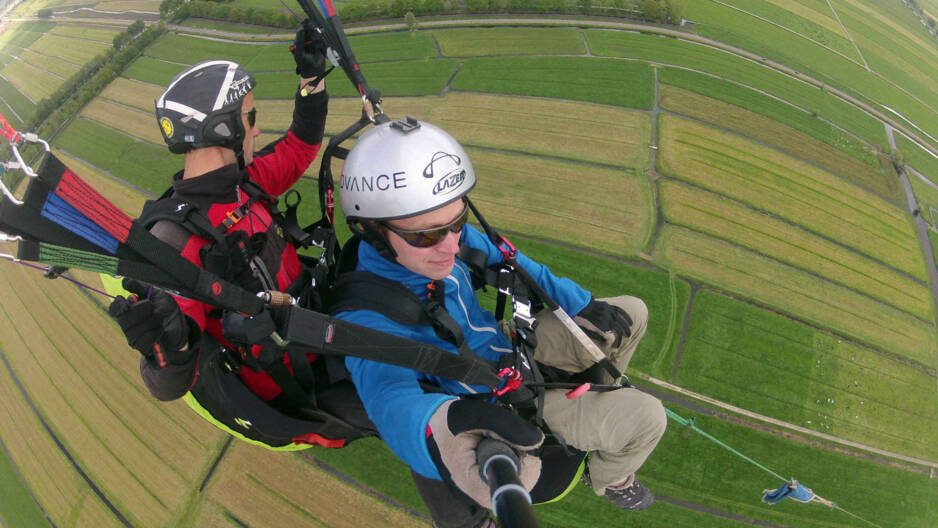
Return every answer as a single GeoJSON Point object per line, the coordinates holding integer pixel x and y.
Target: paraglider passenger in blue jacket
{"type": "Point", "coordinates": [404, 190]}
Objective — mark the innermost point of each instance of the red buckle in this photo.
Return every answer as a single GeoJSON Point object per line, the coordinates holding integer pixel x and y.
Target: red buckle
{"type": "Point", "coordinates": [330, 206]}
{"type": "Point", "coordinates": [509, 253]}
{"type": "Point", "coordinates": [514, 380]}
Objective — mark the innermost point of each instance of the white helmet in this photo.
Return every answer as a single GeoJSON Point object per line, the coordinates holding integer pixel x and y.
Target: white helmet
{"type": "Point", "coordinates": [402, 169]}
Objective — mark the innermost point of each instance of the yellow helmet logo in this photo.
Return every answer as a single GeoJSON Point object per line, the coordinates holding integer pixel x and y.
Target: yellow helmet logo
{"type": "Point", "coordinates": [167, 127]}
{"type": "Point", "coordinates": [243, 423]}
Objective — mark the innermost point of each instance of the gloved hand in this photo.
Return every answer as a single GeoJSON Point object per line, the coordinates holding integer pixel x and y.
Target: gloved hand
{"type": "Point", "coordinates": [604, 322]}
{"type": "Point", "coordinates": [309, 51]}
{"type": "Point", "coordinates": [152, 323]}
{"type": "Point", "coordinates": [456, 429]}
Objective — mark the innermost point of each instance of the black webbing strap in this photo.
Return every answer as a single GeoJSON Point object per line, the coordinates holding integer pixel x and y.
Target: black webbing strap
{"type": "Point", "coordinates": [363, 290]}
{"type": "Point", "coordinates": [444, 325]}
{"type": "Point", "coordinates": [294, 395]}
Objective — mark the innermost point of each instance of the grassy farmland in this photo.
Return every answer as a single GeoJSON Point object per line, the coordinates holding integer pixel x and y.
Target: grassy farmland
{"type": "Point", "coordinates": [776, 256]}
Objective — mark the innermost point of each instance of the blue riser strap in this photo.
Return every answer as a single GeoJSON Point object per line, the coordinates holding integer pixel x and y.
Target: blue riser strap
{"type": "Point", "coordinates": [63, 214]}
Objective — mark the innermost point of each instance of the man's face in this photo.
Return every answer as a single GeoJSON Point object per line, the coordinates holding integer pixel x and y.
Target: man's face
{"type": "Point", "coordinates": [250, 132]}
{"type": "Point", "coordinates": [435, 262]}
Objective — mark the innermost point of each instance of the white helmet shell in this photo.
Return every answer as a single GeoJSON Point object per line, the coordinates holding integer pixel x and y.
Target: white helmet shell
{"type": "Point", "coordinates": [403, 169]}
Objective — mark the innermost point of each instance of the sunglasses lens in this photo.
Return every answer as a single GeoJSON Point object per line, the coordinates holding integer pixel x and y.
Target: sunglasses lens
{"type": "Point", "coordinates": [432, 237]}
{"type": "Point", "coordinates": [252, 116]}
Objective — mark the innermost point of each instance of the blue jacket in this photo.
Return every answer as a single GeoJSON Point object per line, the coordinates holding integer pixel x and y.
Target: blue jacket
{"type": "Point", "coordinates": [392, 395]}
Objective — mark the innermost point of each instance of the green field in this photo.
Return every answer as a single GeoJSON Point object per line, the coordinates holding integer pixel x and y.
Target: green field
{"type": "Point", "coordinates": [790, 189]}
{"type": "Point", "coordinates": [17, 506]}
{"type": "Point", "coordinates": [922, 161]}
{"type": "Point", "coordinates": [483, 42]}
{"type": "Point", "coordinates": [807, 377]}
{"type": "Point", "coordinates": [807, 120]}
{"type": "Point", "coordinates": [625, 83]}
{"type": "Point", "coordinates": [16, 100]}
{"type": "Point", "coordinates": [819, 302]}
{"type": "Point", "coordinates": [153, 71]}
{"type": "Point", "coordinates": [146, 165]}
{"type": "Point", "coordinates": [23, 35]}
{"type": "Point", "coordinates": [732, 221]}
{"type": "Point", "coordinates": [51, 64]}
{"type": "Point", "coordinates": [76, 51]}
{"type": "Point", "coordinates": [30, 80]}
{"type": "Point", "coordinates": [421, 77]}
{"type": "Point", "coordinates": [101, 34]}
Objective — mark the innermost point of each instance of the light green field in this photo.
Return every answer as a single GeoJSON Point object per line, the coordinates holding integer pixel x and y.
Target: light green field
{"type": "Point", "coordinates": [734, 222]}
{"type": "Point", "coordinates": [152, 6]}
{"type": "Point", "coordinates": [17, 101]}
{"type": "Point", "coordinates": [823, 303]}
{"type": "Point", "coordinates": [774, 366]}
{"type": "Point", "coordinates": [74, 50]}
{"type": "Point", "coordinates": [133, 93]}
{"type": "Point", "coordinates": [790, 189]}
{"type": "Point", "coordinates": [624, 83]}
{"type": "Point", "coordinates": [131, 121]}
{"type": "Point", "coordinates": [921, 160]}
{"type": "Point", "coordinates": [482, 42]}
{"type": "Point", "coordinates": [24, 34]}
{"type": "Point", "coordinates": [189, 50]}
{"type": "Point", "coordinates": [50, 64]}
{"type": "Point", "coordinates": [153, 71]}
{"type": "Point", "coordinates": [101, 34]}
{"type": "Point", "coordinates": [30, 80]}
{"type": "Point", "coordinates": [927, 198]}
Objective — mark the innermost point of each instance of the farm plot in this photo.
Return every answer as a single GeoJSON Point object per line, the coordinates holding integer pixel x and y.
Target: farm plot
{"type": "Point", "coordinates": [189, 50]}
{"type": "Point", "coordinates": [927, 197]}
{"type": "Point", "coordinates": [732, 221]}
{"type": "Point", "coordinates": [21, 107]}
{"type": "Point", "coordinates": [152, 6]}
{"type": "Point", "coordinates": [141, 483]}
{"type": "Point", "coordinates": [604, 81]}
{"type": "Point", "coordinates": [482, 42]}
{"type": "Point", "coordinates": [153, 71]}
{"type": "Point", "coordinates": [51, 64]}
{"type": "Point", "coordinates": [421, 77]}
{"type": "Point", "coordinates": [30, 80]}
{"type": "Point", "coordinates": [766, 363]}
{"type": "Point", "coordinates": [137, 123]}
{"type": "Point", "coordinates": [101, 34]}
{"type": "Point", "coordinates": [286, 490]}
{"type": "Point", "coordinates": [790, 189]}
{"type": "Point", "coordinates": [22, 35]}
{"type": "Point", "coordinates": [133, 93]}
{"type": "Point", "coordinates": [880, 180]}
{"type": "Point", "coordinates": [698, 57]}
{"type": "Point", "coordinates": [73, 50]}
{"type": "Point", "coordinates": [143, 164]}
{"type": "Point", "coordinates": [920, 159]}
{"type": "Point", "coordinates": [613, 211]}
{"type": "Point", "coordinates": [814, 121]}
{"type": "Point", "coordinates": [815, 300]}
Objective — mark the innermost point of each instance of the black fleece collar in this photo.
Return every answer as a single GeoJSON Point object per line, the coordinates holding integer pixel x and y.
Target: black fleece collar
{"type": "Point", "coordinates": [217, 186]}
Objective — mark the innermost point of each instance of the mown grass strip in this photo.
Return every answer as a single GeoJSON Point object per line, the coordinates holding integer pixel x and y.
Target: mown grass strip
{"type": "Point", "coordinates": [772, 365]}
{"type": "Point", "coordinates": [809, 121]}
{"type": "Point", "coordinates": [698, 57]}
{"type": "Point", "coordinates": [732, 221]}
{"type": "Point", "coordinates": [137, 123]}
{"type": "Point", "coordinates": [613, 211]}
{"type": "Point", "coordinates": [752, 276]}
{"type": "Point", "coordinates": [133, 93]}
{"type": "Point", "coordinates": [481, 42]}
{"type": "Point", "coordinates": [145, 165]}
{"type": "Point", "coordinates": [50, 64]}
{"type": "Point", "coordinates": [31, 80]}
{"type": "Point", "coordinates": [790, 189]}
{"type": "Point", "coordinates": [101, 34]}
{"type": "Point", "coordinates": [604, 81]}
{"type": "Point", "coordinates": [73, 50]}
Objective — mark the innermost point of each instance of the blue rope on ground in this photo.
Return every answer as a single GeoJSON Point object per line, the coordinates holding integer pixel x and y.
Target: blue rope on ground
{"type": "Point", "coordinates": [690, 424]}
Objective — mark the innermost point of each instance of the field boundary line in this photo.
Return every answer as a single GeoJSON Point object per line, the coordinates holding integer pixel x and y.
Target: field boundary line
{"type": "Point", "coordinates": [684, 327]}
{"type": "Point", "coordinates": [779, 423]}
{"type": "Point", "coordinates": [849, 36]}
{"type": "Point", "coordinates": [6, 453]}
{"type": "Point", "coordinates": [64, 450]}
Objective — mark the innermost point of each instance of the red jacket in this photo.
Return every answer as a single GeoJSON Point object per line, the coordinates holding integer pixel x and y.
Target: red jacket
{"type": "Point", "coordinates": [275, 168]}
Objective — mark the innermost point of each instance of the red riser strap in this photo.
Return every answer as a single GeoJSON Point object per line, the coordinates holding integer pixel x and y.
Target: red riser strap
{"type": "Point", "coordinates": [92, 204]}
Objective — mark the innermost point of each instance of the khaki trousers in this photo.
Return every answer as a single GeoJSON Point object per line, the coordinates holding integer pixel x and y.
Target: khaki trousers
{"type": "Point", "coordinates": [622, 427]}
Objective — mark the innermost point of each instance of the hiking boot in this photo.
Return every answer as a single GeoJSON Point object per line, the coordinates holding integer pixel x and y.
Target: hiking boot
{"type": "Point", "coordinates": [635, 496]}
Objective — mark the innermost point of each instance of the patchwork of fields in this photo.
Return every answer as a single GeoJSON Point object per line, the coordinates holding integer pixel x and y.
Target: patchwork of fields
{"type": "Point", "coordinates": [756, 215]}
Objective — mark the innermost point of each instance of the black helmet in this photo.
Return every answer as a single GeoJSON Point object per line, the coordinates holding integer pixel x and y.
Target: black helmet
{"type": "Point", "coordinates": [202, 107]}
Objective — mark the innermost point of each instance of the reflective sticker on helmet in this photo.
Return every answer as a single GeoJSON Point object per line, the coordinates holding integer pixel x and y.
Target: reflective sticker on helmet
{"type": "Point", "coordinates": [167, 127]}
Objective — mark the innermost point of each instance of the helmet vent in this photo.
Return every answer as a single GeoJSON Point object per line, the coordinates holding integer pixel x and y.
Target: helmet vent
{"type": "Point", "coordinates": [222, 130]}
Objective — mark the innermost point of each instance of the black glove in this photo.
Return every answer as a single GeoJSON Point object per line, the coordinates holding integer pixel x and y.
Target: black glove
{"type": "Point", "coordinates": [153, 323]}
{"type": "Point", "coordinates": [605, 322]}
{"type": "Point", "coordinates": [456, 429]}
{"type": "Point", "coordinates": [309, 52]}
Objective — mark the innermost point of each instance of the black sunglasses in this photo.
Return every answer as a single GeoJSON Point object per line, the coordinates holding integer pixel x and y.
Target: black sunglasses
{"type": "Point", "coordinates": [426, 238]}
{"type": "Point", "coordinates": [252, 116]}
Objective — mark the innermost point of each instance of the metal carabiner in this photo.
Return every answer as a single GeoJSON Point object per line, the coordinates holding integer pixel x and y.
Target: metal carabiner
{"type": "Point", "coordinates": [9, 238]}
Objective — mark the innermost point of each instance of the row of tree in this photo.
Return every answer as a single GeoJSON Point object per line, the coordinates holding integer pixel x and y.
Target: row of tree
{"type": "Point", "coordinates": [661, 11]}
